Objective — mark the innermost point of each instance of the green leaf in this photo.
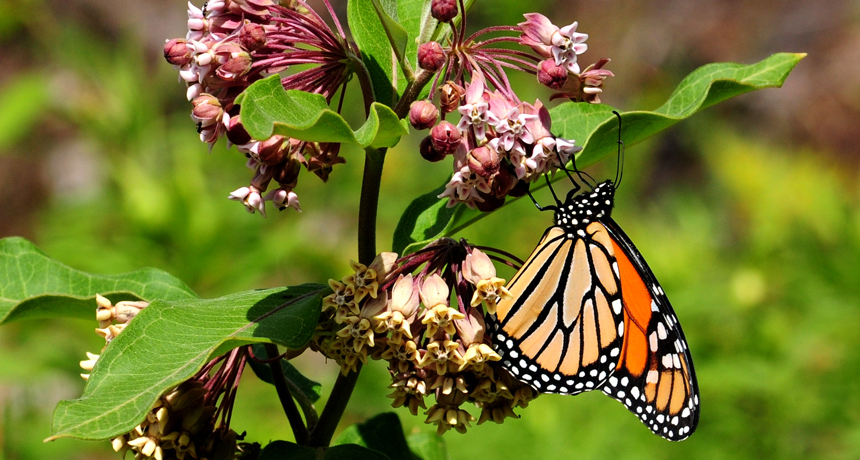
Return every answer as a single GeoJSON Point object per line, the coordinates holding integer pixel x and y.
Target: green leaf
{"type": "Point", "coordinates": [284, 450]}
{"type": "Point", "coordinates": [424, 218]}
{"type": "Point", "coordinates": [428, 446]}
{"type": "Point", "coordinates": [382, 433]}
{"type": "Point", "coordinates": [595, 127]}
{"type": "Point", "coordinates": [168, 342]}
{"type": "Point", "coordinates": [376, 52]}
{"type": "Point", "coordinates": [32, 285]}
{"type": "Point", "coordinates": [409, 12]}
{"type": "Point", "coordinates": [312, 390]}
{"type": "Point", "coordinates": [397, 36]}
{"type": "Point", "coordinates": [267, 109]}
{"type": "Point", "coordinates": [353, 452]}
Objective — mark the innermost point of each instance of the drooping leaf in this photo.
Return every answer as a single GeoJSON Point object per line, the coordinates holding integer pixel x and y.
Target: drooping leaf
{"type": "Point", "coordinates": [353, 452]}
{"type": "Point", "coordinates": [376, 52]}
{"type": "Point", "coordinates": [428, 446]}
{"type": "Point", "coordinates": [267, 109]}
{"type": "Point", "coordinates": [32, 285]}
{"type": "Point", "coordinates": [382, 433]}
{"type": "Point", "coordinates": [397, 36]}
{"type": "Point", "coordinates": [168, 342]}
{"type": "Point", "coordinates": [595, 127]}
{"type": "Point", "coordinates": [310, 389]}
{"type": "Point", "coordinates": [284, 450]}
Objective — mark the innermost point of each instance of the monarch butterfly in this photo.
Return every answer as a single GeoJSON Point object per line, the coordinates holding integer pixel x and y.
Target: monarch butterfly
{"type": "Point", "coordinates": [587, 313]}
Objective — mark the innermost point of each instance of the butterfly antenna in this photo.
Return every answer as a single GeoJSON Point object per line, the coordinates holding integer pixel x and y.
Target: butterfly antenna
{"type": "Point", "coordinates": [619, 171]}
{"type": "Point", "coordinates": [582, 174]}
{"type": "Point", "coordinates": [549, 184]}
{"type": "Point", "coordinates": [537, 205]}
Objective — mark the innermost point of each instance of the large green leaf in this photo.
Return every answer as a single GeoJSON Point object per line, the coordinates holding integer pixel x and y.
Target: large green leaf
{"type": "Point", "coordinates": [376, 51]}
{"type": "Point", "coordinates": [32, 285]}
{"type": "Point", "coordinates": [267, 109]}
{"type": "Point", "coordinates": [382, 433]}
{"type": "Point", "coordinates": [168, 342]}
{"type": "Point", "coordinates": [595, 127]}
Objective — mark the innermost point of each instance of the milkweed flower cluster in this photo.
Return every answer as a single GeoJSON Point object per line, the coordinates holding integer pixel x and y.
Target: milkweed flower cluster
{"type": "Point", "coordinates": [233, 43]}
{"type": "Point", "coordinates": [190, 421]}
{"type": "Point", "coordinates": [500, 144]}
{"type": "Point", "coordinates": [424, 314]}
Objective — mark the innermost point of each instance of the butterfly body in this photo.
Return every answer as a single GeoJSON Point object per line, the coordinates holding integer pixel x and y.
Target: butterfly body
{"type": "Point", "coordinates": [586, 313]}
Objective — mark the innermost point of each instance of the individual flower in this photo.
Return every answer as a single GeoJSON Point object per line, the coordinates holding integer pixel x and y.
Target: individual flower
{"type": "Point", "coordinates": [465, 187]}
{"type": "Point", "coordinates": [475, 112]}
{"type": "Point", "coordinates": [567, 43]}
{"type": "Point", "coordinates": [251, 198]}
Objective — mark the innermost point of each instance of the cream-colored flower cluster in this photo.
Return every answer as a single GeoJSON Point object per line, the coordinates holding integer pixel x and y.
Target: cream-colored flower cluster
{"type": "Point", "coordinates": [423, 314]}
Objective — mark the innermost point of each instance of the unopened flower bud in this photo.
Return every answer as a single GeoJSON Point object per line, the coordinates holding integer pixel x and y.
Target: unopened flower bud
{"type": "Point", "coordinates": [428, 152]}
{"type": "Point", "coordinates": [551, 75]}
{"type": "Point", "coordinates": [236, 133]}
{"type": "Point", "coordinates": [284, 198]}
{"type": "Point", "coordinates": [484, 161]}
{"type": "Point", "coordinates": [443, 10]}
{"type": "Point", "coordinates": [503, 182]}
{"type": "Point", "coordinates": [445, 137]}
{"type": "Point", "coordinates": [423, 114]}
{"type": "Point", "coordinates": [449, 98]}
{"type": "Point", "coordinates": [252, 36]}
{"type": "Point", "coordinates": [238, 65]}
{"type": "Point", "coordinates": [287, 173]}
{"type": "Point", "coordinates": [490, 202]}
{"type": "Point", "coordinates": [520, 189]}
{"type": "Point", "coordinates": [206, 110]}
{"type": "Point", "coordinates": [272, 150]}
{"type": "Point", "coordinates": [431, 56]}
{"type": "Point", "coordinates": [177, 52]}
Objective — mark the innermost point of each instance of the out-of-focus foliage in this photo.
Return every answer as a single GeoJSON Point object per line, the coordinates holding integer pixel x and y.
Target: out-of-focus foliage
{"type": "Point", "coordinates": [749, 215]}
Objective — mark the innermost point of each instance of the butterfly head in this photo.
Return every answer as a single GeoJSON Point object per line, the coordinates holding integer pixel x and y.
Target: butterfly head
{"type": "Point", "coordinates": [580, 210]}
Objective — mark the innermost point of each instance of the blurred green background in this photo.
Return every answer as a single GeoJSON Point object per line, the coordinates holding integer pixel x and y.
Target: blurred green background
{"type": "Point", "coordinates": [748, 214]}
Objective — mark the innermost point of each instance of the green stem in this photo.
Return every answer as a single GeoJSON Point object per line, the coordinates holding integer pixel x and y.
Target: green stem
{"type": "Point", "coordinates": [321, 434]}
{"type": "Point", "coordinates": [299, 430]}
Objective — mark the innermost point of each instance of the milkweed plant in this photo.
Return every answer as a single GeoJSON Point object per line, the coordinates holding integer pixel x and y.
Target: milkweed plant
{"type": "Point", "coordinates": [269, 80]}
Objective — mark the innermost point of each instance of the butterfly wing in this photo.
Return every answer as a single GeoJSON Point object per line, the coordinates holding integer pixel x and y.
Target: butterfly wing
{"type": "Point", "coordinates": [654, 377]}
{"type": "Point", "coordinates": [562, 330]}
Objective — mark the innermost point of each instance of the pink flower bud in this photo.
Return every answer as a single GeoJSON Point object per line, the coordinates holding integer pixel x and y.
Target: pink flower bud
{"type": "Point", "coordinates": [236, 132]}
{"type": "Point", "coordinates": [551, 75]}
{"type": "Point", "coordinates": [449, 99]}
{"type": "Point", "coordinates": [490, 202]}
{"type": "Point", "coordinates": [252, 36]}
{"type": "Point", "coordinates": [503, 182]}
{"type": "Point", "coordinates": [428, 152]}
{"type": "Point", "coordinates": [431, 56]}
{"type": "Point", "coordinates": [484, 162]}
{"type": "Point", "coordinates": [206, 110]}
{"type": "Point", "coordinates": [423, 114]}
{"type": "Point", "coordinates": [284, 198]}
{"type": "Point", "coordinates": [177, 52]}
{"type": "Point", "coordinates": [443, 10]}
{"type": "Point", "coordinates": [445, 137]}
{"type": "Point", "coordinates": [287, 173]}
{"type": "Point", "coordinates": [520, 189]}
{"type": "Point", "coordinates": [271, 151]}
{"type": "Point", "coordinates": [235, 67]}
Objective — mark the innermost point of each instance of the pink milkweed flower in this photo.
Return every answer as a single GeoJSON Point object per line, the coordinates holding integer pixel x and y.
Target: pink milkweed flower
{"type": "Point", "coordinates": [284, 198]}
{"type": "Point", "coordinates": [565, 149]}
{"type": "Point", "coordinates": [465, 187]}
{"type": "Point", "coordinates": [513, 126]}
{"type": "Point", "coordinates": [538, 31]}
{"type": "Point", "coordinates": [250, 197]}
{"type": "Point", "coordinates": [567, 43]}
{"type": "Point", "coordinates": [475, 112]}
